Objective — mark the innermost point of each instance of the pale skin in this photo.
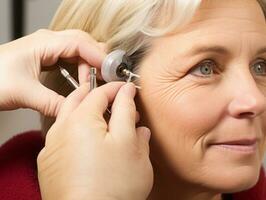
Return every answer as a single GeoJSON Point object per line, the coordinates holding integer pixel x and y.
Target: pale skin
{"type": "Point", "coordinates": [23, 60]}
{"type": "Point", "coordinates": [188, 110]}
{"type": "Point", "coordinates": [228, 104]}
{"type": "Point", "coordinates": [82, 151]}
{"type": "Point", "coordinates": [86, 158]}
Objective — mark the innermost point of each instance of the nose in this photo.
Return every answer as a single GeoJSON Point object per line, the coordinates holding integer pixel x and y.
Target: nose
{"type": "Point", "coordinates": [248, 100]}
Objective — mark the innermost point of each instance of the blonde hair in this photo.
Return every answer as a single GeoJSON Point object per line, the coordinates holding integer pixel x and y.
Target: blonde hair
{"type": "Point", "coordinates": [124, 24]}
{"type": "Point", "coordinates": [121, 24]}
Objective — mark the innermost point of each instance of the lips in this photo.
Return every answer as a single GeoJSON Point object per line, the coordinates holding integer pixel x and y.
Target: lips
{"type": "Point", "coordinates": [240, 145]}
{"type": "Point", "coordinates": [238, 142]}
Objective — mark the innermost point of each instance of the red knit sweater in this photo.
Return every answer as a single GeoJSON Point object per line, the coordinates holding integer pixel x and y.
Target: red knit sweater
{"type": "Point", "coordinates": [18, 171]}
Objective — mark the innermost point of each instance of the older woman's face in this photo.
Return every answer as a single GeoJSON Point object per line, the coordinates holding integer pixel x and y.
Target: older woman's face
{"type": "Point", "coordinates": [203, 95]}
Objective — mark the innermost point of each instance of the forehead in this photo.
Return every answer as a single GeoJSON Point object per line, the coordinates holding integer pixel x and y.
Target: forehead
{"type": "Point", "coordinates": [228, 23]}
{"type": "Point", "coordinates": [233, 15]}
{"type": "Point", "coordinates": [241, 9]}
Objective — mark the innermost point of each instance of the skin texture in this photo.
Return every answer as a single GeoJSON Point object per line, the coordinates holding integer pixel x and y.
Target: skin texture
{"type": "Point", "coordinates": [82, 151]}
{"type": "Point", "coordinates": [187, 110]}
{"type": "Point", "coordinates": [87, 158]}
{"type": "Point", "coordinates": [44, 48]}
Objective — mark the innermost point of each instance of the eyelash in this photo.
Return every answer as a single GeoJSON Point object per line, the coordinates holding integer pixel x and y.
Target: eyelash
{"type": "Point", "coordinates": [216, 69]}
{"type": "Point", "coordinates": [263, 62]}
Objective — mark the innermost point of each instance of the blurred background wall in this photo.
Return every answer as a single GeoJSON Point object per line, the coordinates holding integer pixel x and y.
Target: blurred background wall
{"type": "Point", "coordinates": [37, 14]}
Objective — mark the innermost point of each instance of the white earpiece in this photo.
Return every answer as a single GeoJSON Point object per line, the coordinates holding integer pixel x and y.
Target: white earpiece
{"type": "Point", "coordinates": [115, 66]}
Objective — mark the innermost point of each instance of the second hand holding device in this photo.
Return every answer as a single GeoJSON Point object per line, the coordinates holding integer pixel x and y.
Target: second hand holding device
{"type": "Point", "coordinates": [115, 67]}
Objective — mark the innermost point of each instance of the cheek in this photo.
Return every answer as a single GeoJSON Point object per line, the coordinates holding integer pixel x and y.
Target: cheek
{"type": "Point", "coordinates": [263, 129]}
{"type": "Point", "coordinates": [181, 114]}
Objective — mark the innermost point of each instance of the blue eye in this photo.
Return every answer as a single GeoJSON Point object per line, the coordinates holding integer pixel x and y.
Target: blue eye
{"type": "Point", "coordinates": [260, 67]}
{"type": "Point", "coordinates": [204, 69]}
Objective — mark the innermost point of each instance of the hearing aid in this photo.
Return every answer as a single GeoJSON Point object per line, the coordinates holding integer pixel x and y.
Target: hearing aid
{"type": "Point", "coordinates": [117, 67]}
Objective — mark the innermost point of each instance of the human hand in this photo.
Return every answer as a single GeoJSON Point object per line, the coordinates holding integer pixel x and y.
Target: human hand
{"type": "Point", "coordinates": [87, 158]}
{"type": "Point", "coordinates": [22, 60]}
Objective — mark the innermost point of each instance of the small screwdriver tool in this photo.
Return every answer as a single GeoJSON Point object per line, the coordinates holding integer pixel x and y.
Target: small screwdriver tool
{"type": "Point", "coordinates": [74, 83]}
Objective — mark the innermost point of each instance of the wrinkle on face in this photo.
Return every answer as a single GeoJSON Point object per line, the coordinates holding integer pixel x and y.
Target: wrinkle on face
{"type": "Point", "coordinates": [186, 113]}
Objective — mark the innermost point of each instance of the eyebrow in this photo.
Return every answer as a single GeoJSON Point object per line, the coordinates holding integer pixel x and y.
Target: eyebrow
{"type": "Point", "coordinates": [261, 51]}
{"type": "Point", "coordinates": [205, 49]}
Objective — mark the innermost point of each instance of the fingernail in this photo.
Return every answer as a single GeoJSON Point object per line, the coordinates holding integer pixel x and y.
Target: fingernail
{"type": "Point", "coordinates": [129, 89]}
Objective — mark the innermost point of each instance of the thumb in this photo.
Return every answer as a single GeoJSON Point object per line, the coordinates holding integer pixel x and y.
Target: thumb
{"type": "Point", "coordinates": [144, 135]}
{"type": "Point", "coordinates": [42, 99]}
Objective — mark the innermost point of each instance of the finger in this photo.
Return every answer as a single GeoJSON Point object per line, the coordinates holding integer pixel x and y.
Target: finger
{"type": "Point", "coordinates": [83, 72]}
{"type": "Point", "coordinates": [123, 118]}
{"type": "Point", "coordinates": [72, 101]}
{"type": "Point", "coordinates": [70, 44]}
{"type": "Point", "coordinates": [144, 135]}
{"type": "Point", "coordinates": [103, 47]}
{"type": "Point", "coordinates": [88, 48]}
{"type": "Point", "coordinates": [96, 102]}
{"type": "Point", "coordinates": [73, 60]}
{"type": "Point", "coordinates": [40, 157]}
{"type": "Point", "coordinates": [42, 99]}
